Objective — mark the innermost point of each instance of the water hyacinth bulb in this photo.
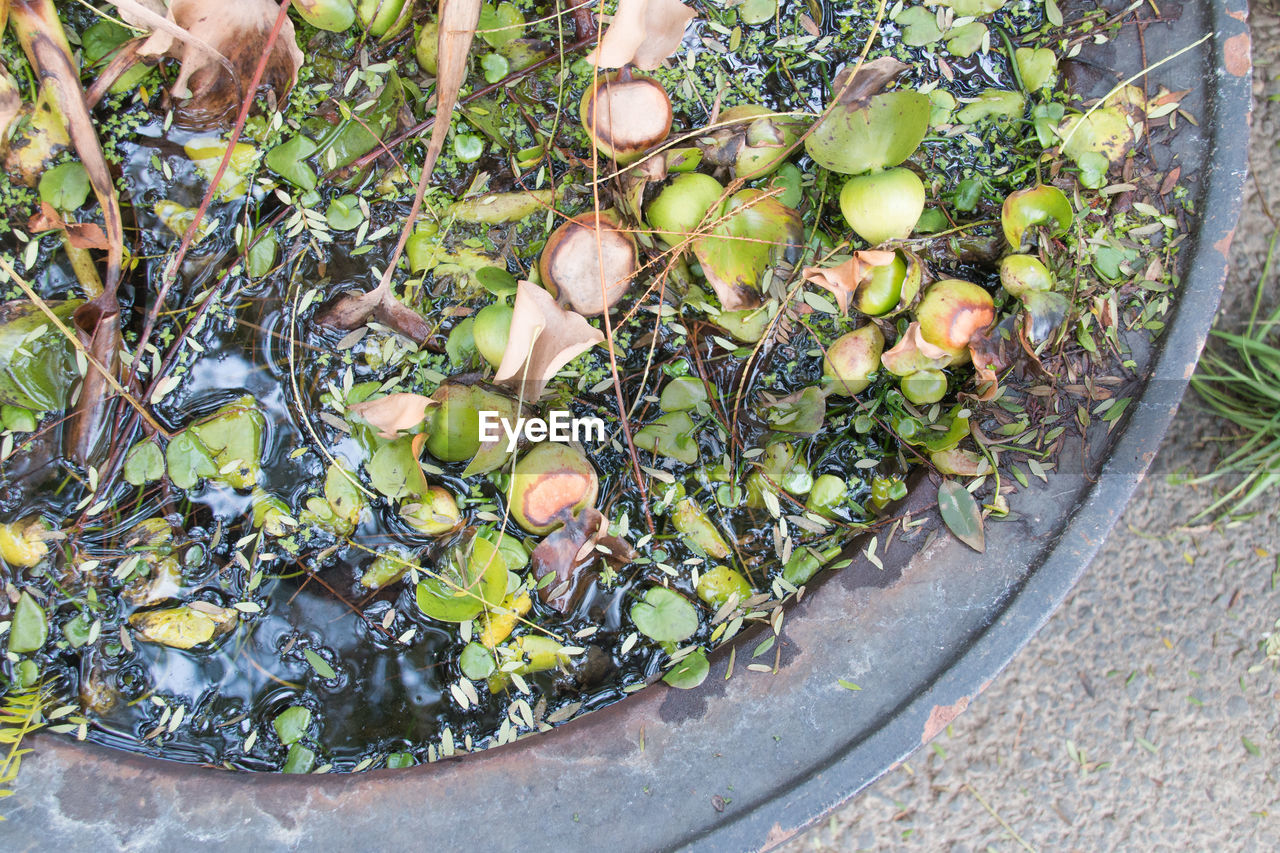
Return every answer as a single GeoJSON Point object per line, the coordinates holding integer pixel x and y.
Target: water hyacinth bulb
{"type": "Point", "coordinates": [453, 427]}
{"type": "Point", "coordinates": [550, 483]}
{"type": "Point", "coordinates": [888, 289]}
{"type": "Point", "coordinates": [583, 254]}
{"type": "Point", "coordinates": [767, 142]}
{"type": "Point", "coordinates": [924, 387]}
{"type": "Point", "coordinates": [827, 495]}
{"type": "Point", "coordinates": [852, 359]}
{"type": "Point", "coordinates": [435, 514]}
{"type": "Point", "coordinates": [332, 15]}
{"type": "Point", "coordinates": [883, 206]}
{"type": "Point", "coordinates": [426, 49]}
{"type": "Point", "coordinates": [384, 18]}
{"type": "Point", "coordinates": [625, 115]}
{"type": "Point", "coordinates": [1043, 205]}
{"type": "Point", "coordinates": [950, 312]}
{"type": "Point", "coordinates": [718, 585]}
{"type": "Point", "coordinates": [1024, 274]}
{"type": "Point", "coordinates": [683, 205]}
{"type": "Point", "coordinates": [490, 329]}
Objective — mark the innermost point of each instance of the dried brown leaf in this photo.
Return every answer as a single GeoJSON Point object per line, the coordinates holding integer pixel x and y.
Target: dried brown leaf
{"type": "Point", "coordinates": [544, 338]}
{"type": "Point", "coordinates": [394, 412]}
{"type": "Point", "coordinates": [842, 281]}
{"type": "Point", "coordinates": [855, 86]}
{"type": "Point", "coordinates": [81, 235]}
{"type": "Point", "coordinates": [642, 33]}
{"type": "Point", "coordinates": [220, 45]}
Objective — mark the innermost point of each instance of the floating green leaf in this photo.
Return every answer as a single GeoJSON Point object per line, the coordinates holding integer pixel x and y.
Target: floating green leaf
{"type": "Point", "coordinates": [665, 616]}
{"type": "Point", "coordinates": [882, 134]}
{"type": "Point", "coordinates": [289, 161]}
{"type": "Point", "coordinates": [65, 187]}
{"type": "Point", "coordinates": [322, 667]}
{"type": "Point", "coordinates": [465, 583]}
{"type": "Point", "coordinates": [476, 661]}
{"type": "Point", "coordinates": [755, 232]}
{"type": "Point", "coordinates": [689, 672]}
{"type": "Point", "coordinates": [961, 514]}
{"type": "Point", "coordinates": [30, 627]}
{"type": "Point", "coordinates": [292, 723]}
{"type": "Point", "coordinates": [144, 463]}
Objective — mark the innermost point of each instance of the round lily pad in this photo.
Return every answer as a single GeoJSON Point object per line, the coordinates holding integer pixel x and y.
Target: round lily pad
{"type": "Point", "coordinates": [665, 616]}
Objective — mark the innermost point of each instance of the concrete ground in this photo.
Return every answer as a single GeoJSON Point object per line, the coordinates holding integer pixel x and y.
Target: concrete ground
{"type": "Point", "coordinates": [1135, 720]}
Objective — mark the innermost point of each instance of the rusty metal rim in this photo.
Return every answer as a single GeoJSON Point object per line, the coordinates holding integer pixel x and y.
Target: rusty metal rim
{"type": "Point", "coordinates": [1048, 584]}
{"type": "Point", "coordinates": [563, 790]}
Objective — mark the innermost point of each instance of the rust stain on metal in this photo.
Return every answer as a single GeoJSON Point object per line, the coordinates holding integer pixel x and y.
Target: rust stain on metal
{"type": "Point", "coordinates": [1236, 54]}
{"type": "Point", "coordinates": [1224, 245]}
{"type": "Point", "coordinates": [1239, 15]}
{"type": "Point", "coordinates": [941, 716]}
{"type": "Point", "coordinates": [777, 835]}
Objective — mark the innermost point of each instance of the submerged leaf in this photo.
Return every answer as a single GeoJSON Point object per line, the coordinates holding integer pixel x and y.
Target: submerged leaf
{"type": "Point", "coordinates": [544, 338]}
{"type": "Point", "coordinates": [37, 364]}
{"type": "Point", "coordinates": [642, 33]}
{"type": "Point", "coordinates": [960, 512]}
{"type": "Point", "coordinates": [183, 627]}
{"type": "Point", "coordinates": [569, 554]}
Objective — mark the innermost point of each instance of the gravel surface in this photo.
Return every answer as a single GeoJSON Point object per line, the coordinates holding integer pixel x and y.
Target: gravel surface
{"type": "Point", "coordinates": [1132, 721]}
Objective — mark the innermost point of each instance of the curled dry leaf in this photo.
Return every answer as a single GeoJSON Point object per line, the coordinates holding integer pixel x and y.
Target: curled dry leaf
{"type": "Point", "coordinates": [544, 338]}
{"type": "Point", "coordinates": [842, 281]}
{"type": "Point", "coordinates": [220, 46]}
{"type": "Point", "coordinates": [855, 85]}
{"type": "Point", "coordinates": [355, 309]}
{"type": "Point", "coordinates": [394, 412]}
{"type": "Point", "coordinates": [81, 235]}
{"type": "Point", "coordinates": [913, 353]}
{"type": "Point", "coordinates": [642, 33]}
{"type": "Point", "coordinates": [570, 554]}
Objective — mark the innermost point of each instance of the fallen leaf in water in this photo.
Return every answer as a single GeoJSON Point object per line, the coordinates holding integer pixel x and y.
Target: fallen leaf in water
{"type": "Point", "coordinates": [394, 412]}
{"type": "Point", "coordinates": [183, 627]}
{"type": "Point", "coordinates": [81, 235]}
{"type": "Point", "coordinates": [842, 281]}
{"type": "Point", "coordinates": [570, 553]}
{"type": "Point", "coordinates": [544, 338]}
{"type": "Point", "coordinates": [219, 45]}
{"type": "Point", "coordinates": [642, 33]}
{"type": "Point", "coordinates": [97, 326]}
{"type": "Point", "coordinates": [355, 309]}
